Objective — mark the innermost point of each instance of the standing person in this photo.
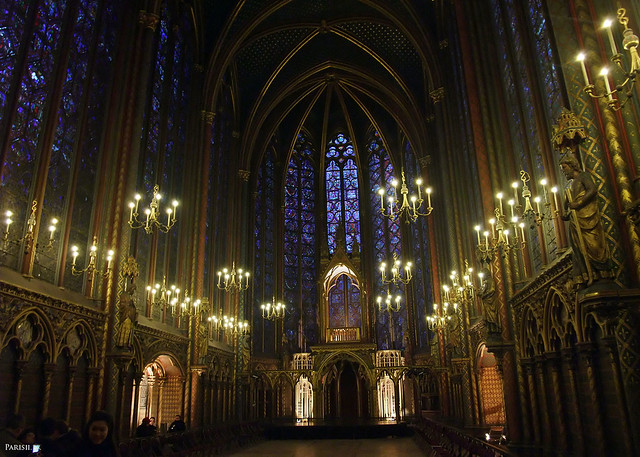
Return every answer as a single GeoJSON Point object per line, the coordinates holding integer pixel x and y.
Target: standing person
{"type": "Point", "coordinates": [98, 439]}
{"type": "Point", "coordinates": [177, 425]}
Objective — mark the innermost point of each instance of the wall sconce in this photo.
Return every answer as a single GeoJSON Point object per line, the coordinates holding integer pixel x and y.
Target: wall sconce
{"type": "Point", "coordinates": [630, 43]}
{"type": "Point", "coordinates": [29, 236]}
{"type": "Point", "coordinates": [91, 267]}
{"type": "Point", "coordinates": [152, 213]}
{"type": "Point", "coordinates": [399, 203]}
{"type": "Point", "coordinates": [233, 281]}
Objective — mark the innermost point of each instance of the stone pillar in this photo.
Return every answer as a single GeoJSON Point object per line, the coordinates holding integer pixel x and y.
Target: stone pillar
{"type": "Point", "coordinates": [597, 440]}
{"type": "Point", "coordinates": [557, 403]}
{"type": "Point", "coordinates": [568, 362]}
{"type": "Point", "coordinates": [49, 369]}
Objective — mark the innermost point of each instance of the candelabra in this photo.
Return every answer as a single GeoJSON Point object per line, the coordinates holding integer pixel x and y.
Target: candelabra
{"type": "Point", "coordinates": [29, 236]}
{"type": "Point", "coordinates": [396, 271]}
{"type": "Point", "coordinates": [630, 43]}
{"type": "Point", "coordinates": [229, 324]}
{"type": "Point", "coordinates": [233, 281]}
{"type": "Point", "coordinates": [152, 220]}
{"type": "Point", "coordinates": [190, 307]}
{"type": "Point", "coordinates": [273, 311]}
{"type": "Point", "coordinates": [399, 204]}
{"type": "Point", "coordinates": [457, 295]}
{"type": "Point", "coordinates": [92, 266]}
{"type": "Point", "coordinates": [389, 303]}
{"type": "Point", "coordinates": [161, 295]}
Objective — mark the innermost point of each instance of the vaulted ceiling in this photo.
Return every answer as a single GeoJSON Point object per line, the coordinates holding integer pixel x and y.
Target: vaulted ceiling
{"type": "Point", "coordinates": [323, 65]}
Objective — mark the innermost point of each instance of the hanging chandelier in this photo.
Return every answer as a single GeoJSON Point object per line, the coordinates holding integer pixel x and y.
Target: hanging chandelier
{"type": "Point", "coordinates": [153, 216]}
{"type": "Point", "coordinates": [399, 205]}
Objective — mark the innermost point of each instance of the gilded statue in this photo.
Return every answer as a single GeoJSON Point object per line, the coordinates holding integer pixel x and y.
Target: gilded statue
{"type": "Point", "coordinates": [489, 299]}
{"type": "Point", "coordinates": [591, 258]}
{"type": "Point", "coordinates": [128, 316]}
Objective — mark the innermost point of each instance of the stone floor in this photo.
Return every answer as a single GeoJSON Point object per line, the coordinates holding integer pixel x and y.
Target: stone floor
{"type": "Point", "coordinates": [383, 447]}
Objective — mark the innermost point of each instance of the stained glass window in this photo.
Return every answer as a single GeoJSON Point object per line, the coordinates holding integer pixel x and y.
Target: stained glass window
{"type": "Point", "coordinates": [264, 285]}
{"type": "Point", "coordinates": [300, 269]}
{"type": "Point", "coordinates": [386, 232]}
{"type": "Point", "coordinates": [13, 14]}
{"type": "Point", "coordinates": [343, 205]}
{"type": "Point", "coordinates": [344, 303]}
{"type": "Point", "coordinates": [18, 170]}
{"type": "Point", "coordinates": [420, 285]}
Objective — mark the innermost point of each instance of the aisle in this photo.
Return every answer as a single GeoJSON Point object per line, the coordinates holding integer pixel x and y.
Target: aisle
{"type": "Point", "coordinates": [382, 447]}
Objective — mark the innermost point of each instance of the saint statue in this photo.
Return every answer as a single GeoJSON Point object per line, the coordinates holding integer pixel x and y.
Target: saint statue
{"type": "Point", "coordinates": [489, 300]}
{"type": "Point", "coordinates": [203, 341]}
{"type": "Point", "coordinates": [128, 315]}
{"type": "Point", "coordinates": [591, 258]}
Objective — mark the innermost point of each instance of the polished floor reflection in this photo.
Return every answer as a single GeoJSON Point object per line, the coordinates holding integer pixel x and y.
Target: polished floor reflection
{"type": "Point", "coordinates": [387, 447]}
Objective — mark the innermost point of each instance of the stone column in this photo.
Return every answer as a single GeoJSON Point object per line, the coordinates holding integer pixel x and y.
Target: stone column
{"type": "Point", "coordinates": [568, 362]}
{"type": "Point", "coordinates": [557, 403]}
{"type": "Point", "coordinates": [597, 440]}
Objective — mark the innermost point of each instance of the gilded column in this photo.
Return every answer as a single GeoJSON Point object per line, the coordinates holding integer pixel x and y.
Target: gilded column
{"type": "Point", "coordinates": [596, 432]}
{"type": "Point", "coordinates": [69, 393]}
{"type": "Point", "coordinates": [93, 374]}
{"type": "Point", "coordinates": [612, 354]}
{"type": "Point", "coordinates": [553, 363]}
{"type": "Point", "coordinates": [529, 367]}
{"type": "Point", "coordinates": [19, 371]}
{"type": "Point", "coordinates": [49, 368]}
{"type": "Point", "coordinates": [569, 363]}
{"type": "Point", "coordinates": [543, 402]}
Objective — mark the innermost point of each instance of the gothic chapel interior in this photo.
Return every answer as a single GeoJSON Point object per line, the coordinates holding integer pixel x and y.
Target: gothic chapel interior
{"type": "Point", "coordinates": [418, 211]}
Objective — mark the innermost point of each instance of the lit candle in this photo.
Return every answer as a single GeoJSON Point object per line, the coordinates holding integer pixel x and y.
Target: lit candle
{"type": "Point", "coordinates": [554, 191]}
{"type": "Point", "coordinates": [499, 197]}
{"type": "Point", "coordinates": [543, 183]}
{"type": "Point", "coordinates": [605, 74]}
{"type": "Point", "coordinates": [137, 199]}
{"type": "Point", "coordinates": [522, 230]}
{"type": "Point", "coordinates": [506, 237]}
{"type": "Point", "coordinates": [419, 185]}
{"type": "Point", "coordinates": [413, 201]}
{"type": "Point", "coordinates": [515, 192]}
{"type": "Point", "coordinates": [8, 221]}
{"type": "Point", "coordinates": [52, 228]}
{"type": "Point", "coordinates": [175, 209]}
{"type": "Point", "coordinates": [74, 254]}
{"type": "Point", "coordinates": [511, 203]}
{"type": "Point", "coordinates": [537, 200]}
{"type": "Point", "coordinates": [429, 196]}
{"type": "Point", "coordinates": [131, 206]}
{"type": "Point", "coordinates": [477, 229]}
{"type": "Point", "coordinates": [381, 193]}
{"type": "Point", "coordinates": [607, 25]}
{"type": "Point", "coordinates": [486, 239]}
{"type": "Point", "coordinates": [580, 58]}
{"type": "Point", "coordinates": [493, 228]}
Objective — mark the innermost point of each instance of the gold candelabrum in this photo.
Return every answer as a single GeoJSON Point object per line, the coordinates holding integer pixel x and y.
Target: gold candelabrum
{"type": "Point", "coordinates": [630, 43]}
{"type": "Point", "coordinates": [29, 236]}
{"type": "Point", "coordinates": [152, 219]}
{"type": "Point", "coordinates": [397, 269]}
{"type": "Point", "coordinates": [273, 311]}
{"type": "Point", "coordinates": [399, 206]}
{"type": "Point", "coordinates": [170, 296]}
{"type": "Point", "coordinates": [390, 303]}
{"type": "Point", "coordinates": [507, 233]}
{"type": "Point", "coordinates": [233, 280]}
{"type": "Point", "coordinates": [459, 295]}
{"type": "Point", "coordinates": [229, 325]}
{"type": "Point", "coordinates": [91, 268]}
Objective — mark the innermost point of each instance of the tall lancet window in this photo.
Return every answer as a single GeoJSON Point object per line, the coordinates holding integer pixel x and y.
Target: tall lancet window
{"type": "Point", "coordinates": [386, 237]}
{"type": "Point", "coordinates": [343, 205]}
{"type": "Point", "coordinates": [300, 268]}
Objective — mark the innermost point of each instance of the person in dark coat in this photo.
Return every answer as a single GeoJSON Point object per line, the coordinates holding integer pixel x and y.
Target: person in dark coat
{"type": "Point", "coordinates": [177, 425]}
{"type": "Point", "coordinates": [145, 429]}
{"type": "Point", "coordinates": [98, 438]}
